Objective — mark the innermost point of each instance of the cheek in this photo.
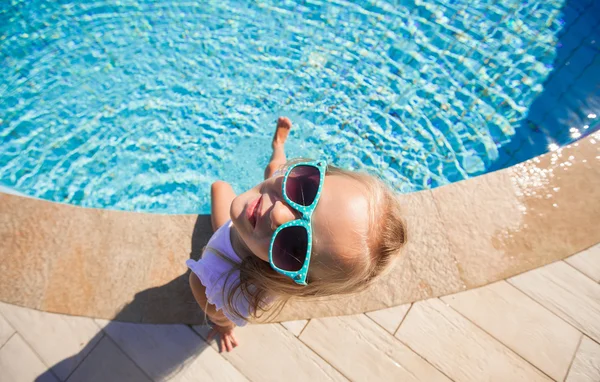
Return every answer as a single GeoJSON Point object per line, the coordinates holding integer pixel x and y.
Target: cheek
{"type": "Point", "coordinates": [236, 208]}
{"type": "Point", "coordinates": [259, 248]}
{"type": "Point", "coordinates": [239, 202]}
{"type": "Point", "coordinates": [264, 256]}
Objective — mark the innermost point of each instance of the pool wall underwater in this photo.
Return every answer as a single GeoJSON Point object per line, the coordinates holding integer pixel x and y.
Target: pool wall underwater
{"type": "Point", "coordinates": [130, 266]}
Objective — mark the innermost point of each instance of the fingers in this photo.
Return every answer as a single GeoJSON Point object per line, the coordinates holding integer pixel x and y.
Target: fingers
{"type": "Point", "coordinates": [226, 341]}
{"type": "Point", "coordinates": [234, 340]}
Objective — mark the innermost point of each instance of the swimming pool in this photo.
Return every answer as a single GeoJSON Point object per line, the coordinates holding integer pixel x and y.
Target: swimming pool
{"type": "Point", "coordinates": [140, 105]}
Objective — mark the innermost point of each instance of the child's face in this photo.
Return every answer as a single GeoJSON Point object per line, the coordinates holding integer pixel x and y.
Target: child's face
{"type": "Point", "coordinates": [340, 221]}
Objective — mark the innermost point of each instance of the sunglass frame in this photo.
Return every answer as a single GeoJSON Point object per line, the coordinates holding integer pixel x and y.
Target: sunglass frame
{"type": "Point", "coordinates": [299, 276]}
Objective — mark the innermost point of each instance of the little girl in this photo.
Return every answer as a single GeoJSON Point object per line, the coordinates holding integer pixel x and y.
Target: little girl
{"type": "Point", "coordinates": [308, 230]}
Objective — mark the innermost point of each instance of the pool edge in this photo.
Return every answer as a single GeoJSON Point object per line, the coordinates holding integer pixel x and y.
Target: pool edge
{"type": "Point", "coordinates": [131, 266]}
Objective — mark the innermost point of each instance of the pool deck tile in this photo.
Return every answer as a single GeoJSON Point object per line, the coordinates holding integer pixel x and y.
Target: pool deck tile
{"type": "Point", "coordinates": [586, 365]}
{"type": "Point", "coordinates": [209, 366]}
{"type": "Point", "coordinates": [521, 324]}
{"type": "Point", "coordinates": [161, 351]}
{"type": "Point", "coordinates": [108, 363]}
{"type": "Point", "coordinates": [363, 351]}
{"type": "Point", "coordinates": [19, 363]}
{"type": "Point", "coordinates": [587, 262]}
{"type": "Point", "coordinates": [389, 318]}
{"type": "Point", "coordinates": [6, 331]}
{"type": "Point", "coordinates": [295, 327]}
{"type": "Point", "coordinates": [62, 342]}
{"type": "Point", "coordinates": [567, 293]}
{"type": "Point", "coordinates": [269, 352]}
{"type": "Point", "coordinates": [459, 348]}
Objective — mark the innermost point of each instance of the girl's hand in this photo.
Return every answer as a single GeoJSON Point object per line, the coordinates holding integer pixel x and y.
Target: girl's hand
{"type": "Point", "coordinates": [227, 339]}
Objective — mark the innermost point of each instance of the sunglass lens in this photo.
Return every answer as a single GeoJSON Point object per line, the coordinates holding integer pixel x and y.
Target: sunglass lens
{"type": "Point", "coordinates": [289, 248]}
{"type": "Point", "coordinates": [303, 184]}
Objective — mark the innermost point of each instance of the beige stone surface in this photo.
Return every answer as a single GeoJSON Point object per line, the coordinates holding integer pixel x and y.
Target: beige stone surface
{"type": "Point", "coordinates": [586, 365]}
{"type": "Point", "coordinates": [295, 327]}
{"type": "Point", "coordinates": [466, 336]}
{"type": "Point", "coordinates": [6, 331]}
{"type": "Point", "coordinates": [271, 353]}
{"type": "Point", "coordinates": [434, 268]}
{"type": "Point", "coordinates": [108, 363]}
{"type": "Point", "coordinates": [130, 266]}
{"type": "Point", "coordinates": [209, 366]}
{"type": "Point", "coordinates": [459, 348]}
{"type": "Point", "coordinates": [567, 293]}
{"type": "Point", "coordinates": [587, 262]}
{"type": "Point", "coordinates": [23, 265]}
{"type": "Point", "coordinates": [389, 318]}
{"type": "Point", "coordinates": [521, 324]}
{"type": "Point", "coordinates": [363, 351]}
{"type": "Point", "coordinates": [62, 342]}
{"type": "Point", "coordinates": [100, 263]}
{"type": "Point", "coordinates": [531, 214]}
{"type": "Point", "coordinates": [18, 363]}
{"type": "Point", "coordinates": [161, 351]}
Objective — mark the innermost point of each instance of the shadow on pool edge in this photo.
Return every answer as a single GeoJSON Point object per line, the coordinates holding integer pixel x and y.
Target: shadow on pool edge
{"type": "Point", "coordinates": [152, 306]}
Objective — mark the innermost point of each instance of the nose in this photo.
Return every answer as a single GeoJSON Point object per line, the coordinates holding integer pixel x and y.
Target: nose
{"type": "Point", "coordinates": [281, 214]}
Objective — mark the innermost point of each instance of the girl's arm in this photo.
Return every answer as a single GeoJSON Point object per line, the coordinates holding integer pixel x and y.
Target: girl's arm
{"type": "Point", "coordinates": [223, 325]}
{"type": "Point", "coordinates": [221, 196]}
{"type": "Point", "coordinates": [199, 292]}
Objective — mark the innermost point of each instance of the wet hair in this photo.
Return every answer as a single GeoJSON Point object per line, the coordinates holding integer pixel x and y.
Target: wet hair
{"type": "Point", "coordinates": [386, 237]}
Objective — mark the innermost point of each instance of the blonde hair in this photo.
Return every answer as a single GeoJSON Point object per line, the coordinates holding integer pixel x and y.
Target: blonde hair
{"type": "Point", "coordinates": [260, 283]}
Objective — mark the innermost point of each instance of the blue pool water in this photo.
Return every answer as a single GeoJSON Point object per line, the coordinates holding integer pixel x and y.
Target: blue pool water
{"type": "Point", "coordinates": [141, 105]}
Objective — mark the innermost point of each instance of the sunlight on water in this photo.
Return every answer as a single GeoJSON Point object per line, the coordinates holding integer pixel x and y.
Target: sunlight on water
{"type": "Point", "coordinates": [140, 105]}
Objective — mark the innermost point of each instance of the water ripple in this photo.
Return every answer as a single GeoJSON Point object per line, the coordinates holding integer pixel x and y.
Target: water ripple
{"type": "Point", "coordinates": [140, 105]}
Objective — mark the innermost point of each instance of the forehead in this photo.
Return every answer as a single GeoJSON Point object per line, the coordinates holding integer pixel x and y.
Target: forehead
{"type": "Point", "coordinates": [341, 220]}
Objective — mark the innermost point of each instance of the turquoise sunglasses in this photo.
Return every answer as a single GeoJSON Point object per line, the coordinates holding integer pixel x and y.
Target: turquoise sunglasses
{"type": "Point", "coordinates": [289, 252]}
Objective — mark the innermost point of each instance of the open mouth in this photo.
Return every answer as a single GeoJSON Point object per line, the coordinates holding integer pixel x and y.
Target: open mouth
{"type": "Point", "coordinates": [252, 212]}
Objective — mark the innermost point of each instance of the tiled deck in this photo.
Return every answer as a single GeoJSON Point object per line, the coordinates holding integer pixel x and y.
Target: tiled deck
{"type": "Point", "coordinates": [541, 325]}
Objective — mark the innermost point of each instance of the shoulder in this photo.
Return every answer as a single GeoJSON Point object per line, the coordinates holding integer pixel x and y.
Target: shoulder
{"type": "Point", "coordinates": [211, 265]}
{"type": "Point", "coordinates": [220, 244]}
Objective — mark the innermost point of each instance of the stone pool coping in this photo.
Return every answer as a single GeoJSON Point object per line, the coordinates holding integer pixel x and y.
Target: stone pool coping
{"type": "Point", "coordinates": [131, 266]}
